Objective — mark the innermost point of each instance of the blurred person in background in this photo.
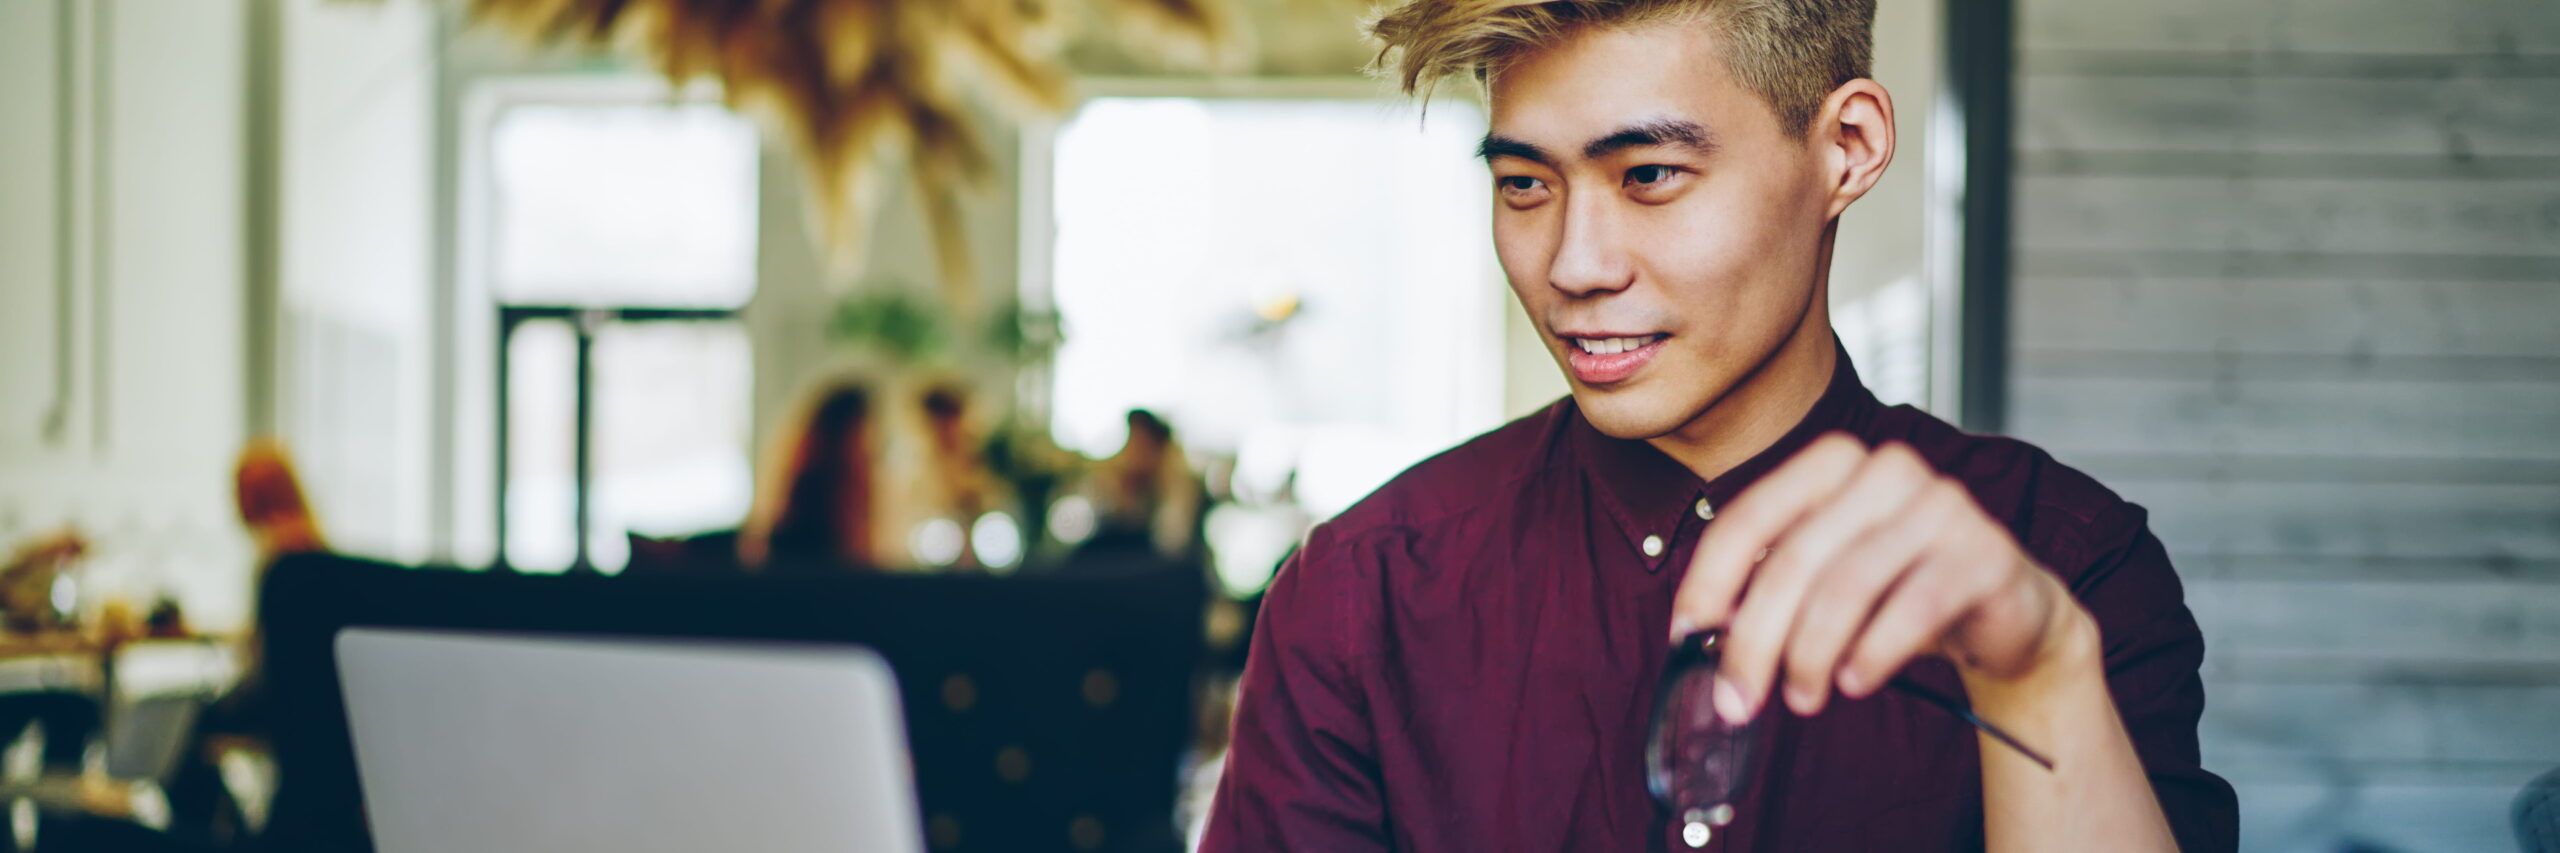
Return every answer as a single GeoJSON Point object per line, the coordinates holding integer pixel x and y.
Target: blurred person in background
{"type": "Point", "coordinates": [276, 514]}
{"type": "Point", "coordinates": [818, 503]}
{"type": "Point", "coordinates": [1145, 496]}
{"type": "Point", "coordinates": [273, 508]}
{"type": "Point", "coordinates": [955, 491]}
{"type": "Point", "coordinates": [278, 518]}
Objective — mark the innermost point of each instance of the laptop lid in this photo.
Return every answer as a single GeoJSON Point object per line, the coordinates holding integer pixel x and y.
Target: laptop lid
{"type": "Point", "coordinates": [516, 742]}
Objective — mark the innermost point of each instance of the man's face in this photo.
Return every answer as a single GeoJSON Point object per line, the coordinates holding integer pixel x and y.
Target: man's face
{"type": "Point", "coordinates": [1658, 224]}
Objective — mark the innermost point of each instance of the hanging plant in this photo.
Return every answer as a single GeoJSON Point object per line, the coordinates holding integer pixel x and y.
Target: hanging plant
{"type": "Point", "coordinates": [853, 84]}
{"type": "Point", "coordinates": [897, 323]}
{"type": "Point", "coordinates": [892, 322]}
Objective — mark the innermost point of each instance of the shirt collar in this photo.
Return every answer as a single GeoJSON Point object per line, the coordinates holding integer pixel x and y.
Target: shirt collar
{"type": "Point", "coordinates": [1651, 495]}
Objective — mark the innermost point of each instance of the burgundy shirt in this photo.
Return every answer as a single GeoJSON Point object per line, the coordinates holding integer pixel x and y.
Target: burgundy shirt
{"type": "Point", "coordinates": [1465, 660]}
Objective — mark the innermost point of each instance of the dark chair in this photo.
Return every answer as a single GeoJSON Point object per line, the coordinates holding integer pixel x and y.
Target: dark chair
{"type": "Point", "coordinates": [1045, 712]}
{"type": "Point", "coordinates": [2537, 814]}
{"type": "Point", "coordinates": [704, 555]}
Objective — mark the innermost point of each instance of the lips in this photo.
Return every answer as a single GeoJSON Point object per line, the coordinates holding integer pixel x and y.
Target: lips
{"type": "Point", "coordinates": [1604, 359]}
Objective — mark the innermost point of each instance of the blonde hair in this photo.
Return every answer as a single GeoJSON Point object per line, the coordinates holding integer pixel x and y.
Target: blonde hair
{"type": "Point", "coordinates": [1790, 52]}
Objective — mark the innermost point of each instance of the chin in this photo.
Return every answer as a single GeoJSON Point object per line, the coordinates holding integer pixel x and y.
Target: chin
{"type": "Point", "coordinates": [1637, 413]}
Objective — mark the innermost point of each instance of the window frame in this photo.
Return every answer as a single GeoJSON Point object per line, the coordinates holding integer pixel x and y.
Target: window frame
{"type": "Point", "coordinates": [584, 322]}
{"type": "Point", "coordinates": [487, 102]}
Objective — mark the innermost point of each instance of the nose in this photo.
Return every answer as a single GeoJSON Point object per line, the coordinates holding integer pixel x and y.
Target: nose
{"type": "Point", "coordinates": [1589, 261]}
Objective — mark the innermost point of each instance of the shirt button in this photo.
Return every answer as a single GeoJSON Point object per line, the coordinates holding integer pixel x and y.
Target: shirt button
{"type": "Point", "coordinates": [1705, 511]}
{"type": "Point", "coordinates": [1695, 835]}
{"type": "Point", "coordinates": [1653, 546]}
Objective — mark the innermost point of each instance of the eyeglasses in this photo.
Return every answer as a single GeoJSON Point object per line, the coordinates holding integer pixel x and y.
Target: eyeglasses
{"type": "Point", "coordinates": [1696, 763]}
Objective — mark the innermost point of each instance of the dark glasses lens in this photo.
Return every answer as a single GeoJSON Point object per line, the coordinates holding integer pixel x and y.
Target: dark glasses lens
{"type": "Point", "coordinates": [1695, 762]}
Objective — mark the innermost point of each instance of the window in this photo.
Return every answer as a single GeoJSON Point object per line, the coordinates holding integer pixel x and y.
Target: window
{"type": "Point", "coordinates": [1306, 285]}
{"type": "Point", "coordinates": [620, 241]}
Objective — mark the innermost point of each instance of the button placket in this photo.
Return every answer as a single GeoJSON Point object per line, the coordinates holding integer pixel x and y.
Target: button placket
{"type": "Point", "coordinates": [1656, 547]}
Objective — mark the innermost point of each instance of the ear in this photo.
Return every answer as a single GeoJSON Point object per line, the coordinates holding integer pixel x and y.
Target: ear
{"type": "Point", "coordinates": [1855, 131]}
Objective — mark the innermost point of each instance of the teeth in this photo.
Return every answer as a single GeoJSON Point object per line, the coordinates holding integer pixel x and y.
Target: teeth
{"type": "Point", "coordinates": [1612, 346]}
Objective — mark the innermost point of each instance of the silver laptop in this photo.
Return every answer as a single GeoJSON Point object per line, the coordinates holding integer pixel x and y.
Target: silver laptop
{"type": "Point", "coordinates": [505, 743]}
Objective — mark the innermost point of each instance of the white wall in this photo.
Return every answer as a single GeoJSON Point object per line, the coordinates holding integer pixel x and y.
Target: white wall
{"type": "Point", "coordinates": [129, 169]}
{"type": "Point", "coordinates": [35, 380]}
{"type": "Point", "coordinates": [355, 232]}
{"type": "Point", "coordinates": [132, 208]}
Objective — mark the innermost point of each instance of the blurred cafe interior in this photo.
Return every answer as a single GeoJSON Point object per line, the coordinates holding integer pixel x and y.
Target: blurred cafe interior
{"type": "Point", "coordinates": [1022, 342]}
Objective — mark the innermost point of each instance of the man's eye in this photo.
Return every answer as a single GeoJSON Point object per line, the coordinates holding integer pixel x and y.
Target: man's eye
{"type": "Point", "coordinates": [1519, 183]}
{"type": "Point", "coordinates": [1648, 174]}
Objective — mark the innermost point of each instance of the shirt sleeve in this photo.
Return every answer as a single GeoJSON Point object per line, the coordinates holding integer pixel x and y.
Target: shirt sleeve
{"type": "Point", "coordinates": [2153, 653]}
{"type": "Point", "coordinates": [1300, 772]}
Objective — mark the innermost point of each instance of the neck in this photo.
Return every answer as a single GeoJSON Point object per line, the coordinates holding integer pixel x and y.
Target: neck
{"type": "Point", "coordinates": [1767, 401]}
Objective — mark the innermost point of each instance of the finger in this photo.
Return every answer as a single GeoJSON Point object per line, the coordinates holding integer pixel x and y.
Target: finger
{"type": "Point", "coordinates": [1733, 542]}
{"type": "Point", "coordinates": [1914, 616]}
{"type": "Point", "coordinates": [1756, 639]}
{"type": "Point", "coordinates": [1856, 582]}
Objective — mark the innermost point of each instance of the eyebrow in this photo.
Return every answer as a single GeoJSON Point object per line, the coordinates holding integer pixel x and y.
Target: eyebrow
{"type": "Point", "coordinates": [1666, 131]}
{"type": "Point", "coordinates": [1498, 145]}
{"type": "Point", "coordinates": [1661, 131]}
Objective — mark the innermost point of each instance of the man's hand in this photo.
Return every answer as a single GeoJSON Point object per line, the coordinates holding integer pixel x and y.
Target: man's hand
{"type": "Point", "coordinates": [1846, 563]}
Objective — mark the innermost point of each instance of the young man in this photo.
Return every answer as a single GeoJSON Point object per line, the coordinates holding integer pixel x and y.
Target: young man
{"type": "Point", "coordinates": [1466, 659]}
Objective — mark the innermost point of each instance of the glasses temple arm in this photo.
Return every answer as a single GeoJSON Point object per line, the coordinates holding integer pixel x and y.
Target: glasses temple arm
{"type": "Point", "coordinates": [1958, 708]}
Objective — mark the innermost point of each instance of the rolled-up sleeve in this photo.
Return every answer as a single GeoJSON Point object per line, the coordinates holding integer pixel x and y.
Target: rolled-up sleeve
{"type": "Point", "coordinates": [2153, 654]}
{"type": "Point", "coordinates": [1300, 772]}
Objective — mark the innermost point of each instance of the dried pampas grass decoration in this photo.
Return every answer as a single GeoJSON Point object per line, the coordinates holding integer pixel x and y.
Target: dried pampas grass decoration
{"type": "Point", "coordinates": [856, 83]}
